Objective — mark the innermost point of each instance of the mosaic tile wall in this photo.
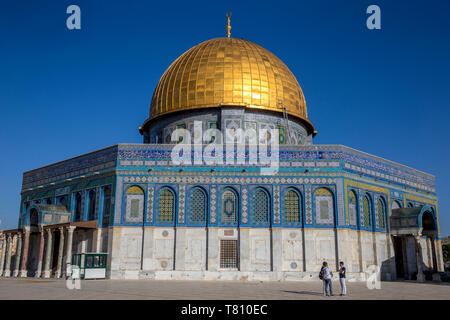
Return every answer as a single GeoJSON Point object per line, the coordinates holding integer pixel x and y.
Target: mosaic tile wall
{"type": "Point", "coordinates": [326, 166]}
{"type": "Point", "coordinates": [161, 131]}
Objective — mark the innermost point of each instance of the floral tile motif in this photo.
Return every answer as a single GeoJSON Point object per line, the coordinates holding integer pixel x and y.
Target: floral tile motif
{"type": "Point", "coordinates": [181, 205]}
{"type": "Point", "coordinates": [213, 214]}
{"type": "Point", "coordinates": [308, 204]}
{"type": "Point", "coordinates": [244, 204]}
{"type": "Point", "coordinates": [276, 204]}
{"type": "Point", "coordinates": [150, 196]}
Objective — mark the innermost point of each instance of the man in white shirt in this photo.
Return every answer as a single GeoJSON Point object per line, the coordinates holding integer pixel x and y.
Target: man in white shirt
{"type": "Point", "coordinates": [327, 275]}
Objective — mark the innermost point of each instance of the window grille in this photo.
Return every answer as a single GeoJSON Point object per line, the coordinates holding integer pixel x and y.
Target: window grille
{"type": "Point", "coordinates": [198, 205]}
{"type": "Point", "coordinates": [228, 254]}
{"type": "Point", "coordinates": [292, 206]}
{"type": "Point", "coordinates": [366, 209]}
{"type": "Point", "coordinates": [381, 214]}
{"type": "Point", "coordinates": [166, 205]}
{"type": "Point", "coordinates": [260, 206]}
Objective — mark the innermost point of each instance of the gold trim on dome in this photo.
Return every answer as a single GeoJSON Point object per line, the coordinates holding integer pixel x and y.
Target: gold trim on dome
{"type": "Point", "coordinates": [228, 72]}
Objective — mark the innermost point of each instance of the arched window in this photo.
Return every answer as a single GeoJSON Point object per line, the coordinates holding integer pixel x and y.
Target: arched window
{"type": "Point", "coordinates": [106, 204]}
{"type": "Point", "coordinates": [352, 208]}
{"type": "Point", "coordinates": [395, 205]}
{"type": "Point", "coordinates": [324, 206]}
{"type": "Point", "coordinates": [34, 218]}
{"type": "Point", "coordinates": [78, 209]}
{"type": "Point", "coordinates": [198, 205]}
{"type": "Point", "coordinates": [260, 206]}
{"type": "Point", "coordinates": [62, 201]}
{"type": "Point", "coordinates": [366, 211]}
{"type": "Point", "coordinates": [91, 205]}
{"type": "Point", "coordinates": [134, 204]}
{"type": "Point", "coordinates": [166, 205]}
{"type": "Point", "coordinates": [428, 221]}
{"type": "Point", "coordinates": [292, 207]}
{"type": "Point", "coordinates": [229, 206]}
{"type": "Point", "coordinates": [381, 213]}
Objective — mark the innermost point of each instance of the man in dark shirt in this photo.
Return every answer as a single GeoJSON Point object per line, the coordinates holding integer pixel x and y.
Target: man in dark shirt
{"type": "Point", "coordinates": [342, 272]}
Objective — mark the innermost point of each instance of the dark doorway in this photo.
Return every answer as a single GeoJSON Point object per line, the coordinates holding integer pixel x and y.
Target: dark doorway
{"type": "Point", "coordinates": [34, 218]}
{"type": "Point", "coordinates": [428, 223]}
{"type": "Point", "coordinates": [33, 254]}
{"type": "Point", "coordinates": [398, 250]}
{"type": "Point", "coordinates": [54, 265]}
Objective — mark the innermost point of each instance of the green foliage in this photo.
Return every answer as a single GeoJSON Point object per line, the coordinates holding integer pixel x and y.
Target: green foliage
{"type": "Point", "coordinates": [446, 252]}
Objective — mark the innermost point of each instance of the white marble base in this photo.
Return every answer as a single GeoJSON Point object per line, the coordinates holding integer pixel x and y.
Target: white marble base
{"type": "Point", "coordinates": [227, 275]}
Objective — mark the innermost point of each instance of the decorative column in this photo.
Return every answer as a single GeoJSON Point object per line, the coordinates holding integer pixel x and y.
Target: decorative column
{"type": "Point", "coordinates": [96, 240]}
{"type": "Point", "coordinates": [392, 263]}
{"type": "Point", "coordinates": [83, 242]}
{"type": "Point", "coordinates": [420, 275]}
{"type": "Point", "coordinates": [436, 276]}
{"type": "Point", "coordinates": [48, 253]}
{"type": "Point", "coordinates": [18, 254]}
{"type": "Point", "coordinates": [60, 252]}
{"type": "Point", "coordinates": [41, 252]}
{"type": "Point", "coordinates": [7, 271]}
{"type": "Point", "coordinates": [70, 230]}
{"type": "Point", "coordinates": [26, 245]}
{"type": "Point", "coordinates": [2, 259]}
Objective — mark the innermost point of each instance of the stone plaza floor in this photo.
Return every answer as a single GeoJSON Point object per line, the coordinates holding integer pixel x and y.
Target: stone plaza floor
{"type": "Point", "coordinates": [13, 288]}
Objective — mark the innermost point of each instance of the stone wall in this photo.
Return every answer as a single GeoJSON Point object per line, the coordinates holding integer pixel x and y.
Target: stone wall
{"type": "Point", "coordinates": [288, 246]}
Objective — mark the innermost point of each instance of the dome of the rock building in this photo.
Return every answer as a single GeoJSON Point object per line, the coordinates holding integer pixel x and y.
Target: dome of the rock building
{"type": "Point", "coordinates": [228, 72]}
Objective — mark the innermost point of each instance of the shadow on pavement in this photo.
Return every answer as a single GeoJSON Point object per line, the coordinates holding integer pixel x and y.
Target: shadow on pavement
{"type": "Point", "coordinates": [306, 292]}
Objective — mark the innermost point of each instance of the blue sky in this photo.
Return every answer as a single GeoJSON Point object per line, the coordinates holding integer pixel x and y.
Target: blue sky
{"type": "Point", "coordinates": [64, 93]}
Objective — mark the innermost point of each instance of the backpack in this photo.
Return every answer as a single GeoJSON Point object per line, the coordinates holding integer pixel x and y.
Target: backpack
{"type": "Point", "coordinates": [321, 274]}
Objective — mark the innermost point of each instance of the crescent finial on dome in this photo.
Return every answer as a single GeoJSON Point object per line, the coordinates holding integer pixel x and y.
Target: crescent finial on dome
{"type": "Point", "coordinates": [228, 24]}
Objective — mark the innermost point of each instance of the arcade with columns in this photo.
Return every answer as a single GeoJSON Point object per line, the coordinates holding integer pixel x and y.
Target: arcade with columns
{"type": "Point", "coordinates": [54, 243]}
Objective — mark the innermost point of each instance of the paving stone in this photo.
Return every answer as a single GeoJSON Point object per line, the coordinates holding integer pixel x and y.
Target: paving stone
{"type": "Point", "coordinates": [206, 290]}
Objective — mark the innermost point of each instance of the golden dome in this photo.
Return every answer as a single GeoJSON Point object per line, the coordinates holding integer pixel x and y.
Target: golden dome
{"type": "Point", "coordinates": [228, 72]}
